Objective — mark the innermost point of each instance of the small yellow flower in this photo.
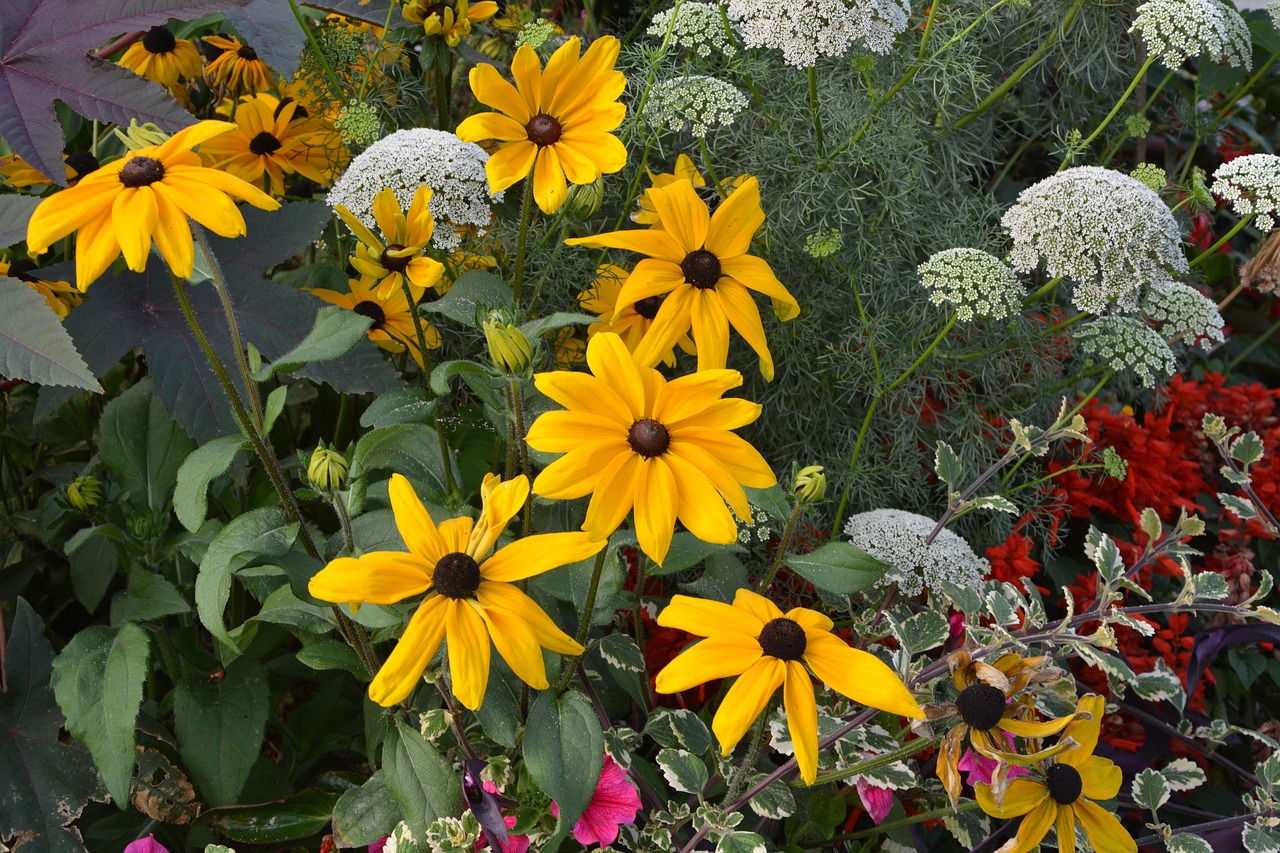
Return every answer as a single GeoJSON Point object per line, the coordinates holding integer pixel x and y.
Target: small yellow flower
{"type": "Point", "coordinates": [392, 328]}
{"type": "Point", "coordinates": [270, 141]}
{"type": "Point", "coordinates": [768, 649]}
{"type": "Point", "coordinates": [61, 296]}
{"type": "Point", "coordinates": [470, 596]}
{"type": "Point", "coordinates": [634, 321]}
{"type": "Point", "coordinates": [403, 256]}
{"type": "Point", "coordinates": [160, 57]}
{"type": "Point", "coordinates": [452, 20]}
{"type": "Point", "coordinates": [567, 349]}
{"type": "Point", "coordinates": [237, 67]}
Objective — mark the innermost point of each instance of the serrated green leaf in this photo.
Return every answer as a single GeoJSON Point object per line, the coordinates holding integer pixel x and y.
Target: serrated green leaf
{"type": "Point", "coordinates": [147, 597]}
{"type": "Point", "coordinates": [420, 779]}
{"type": "Point", "coordinates": [220, 721]}
{"type": "Point", "coordinates": [1183, 774]}
{"type": "Point", "coordinates": [363, 815]}
{"type": "Point", "coordinates": [1247, 448]}
{"type": "Point", "coordinates": [143, 446]}
{"type": "Point", "coordinates": [409, 449]}
{"type": "Point", "coordinates": [775, 801]}
{"type": "Point", "coordinates": [1186, 842]}
{"type": "Point", "coordinates": [564, 752]}
{"type": "Point", "coordinates": [442, 373]}
{"type": "Point", "coordinates": [335, 332]}
{"type": "Point", "coordinates": [204, 465]}
{"type": "Point", "coordinates": [33, 344]}
{"type": "Point", "coordinates": [686, 552]}
{"type": "Point", "coordinates": [679, 728]}
{"type": "Point", "coordinates": [1259, 839]}
{"type": "Point", "coordinates": [1150, 790]}
{"type": "Point", "coordinates": [683, 771]}
{"type": "Point", "coordinates": [263, 532]}
{"type": "Point", "coordinates": [923, 631]}
{"type": "Point", "coordinates": [838, 567]}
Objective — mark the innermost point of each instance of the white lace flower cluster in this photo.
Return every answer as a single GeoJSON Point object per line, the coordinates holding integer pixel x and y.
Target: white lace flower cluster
{"type": "Point", "coordinates": [696, 100]}
{"type": "Point", "coordinates": [896, 537]}
{"type": "Point", "coordinates": [699, 28]}
{"type": "Point", "coordinates": [1106, 232]}
{"type": "Point", "coordinates": [408, 159]}
{"type": "Point", "coordinates": [1251, 185]}
{"type": "Point", "coordinates": [805, 30]}
{"type": "Point", "coordinates": [1129, 344]}
{"type": "Point", "coordinates": [1176, 30]}
{"type": "Point", "coordinates": [973, 282]}
{"type": "Point", "coordinates": [1186, 313]}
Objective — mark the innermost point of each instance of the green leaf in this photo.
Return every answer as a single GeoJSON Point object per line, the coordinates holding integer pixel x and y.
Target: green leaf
{"type": "Point", "coordinates": [335, 333]}
{"type": "Point", "coordinates": [996, 502]}
{"type": "Point", "coordinates": [838, 567]}
{"type": "Point", "coordinates": [775, 801]}
{"type": "Point", "coordinates": [741, 842]}
{"type": "Point", "coordinates": [294, 818]}
{"type": "Point", "coordinates": [1247, 449]}
{"type": "Point", "coordinates": [535, 328]}
{"type": "Point", "coordinates": [219, 721]}
{"type": "Point", "coordinates": [365, 814]}
{"type": "Point", "coordinates": [625, 663]}
{"type": "Point", "coordinates": [947, 464]}
{"type": "Point", "coordinates": [15, 213]}
{"type": "Point", "coordinates": [143, 446]}
{"type": "Point", "coordinates": [97, 680]}
{"type": "Point", "coordinates": [564, 753]}
{"type": "Point", "coordinates": [1186, 842]}
{"type": "Point", "coordinates": [1150, 790]}
{"type": "Point", "coordinates": [683, 771]}
{"type": "Point", "coordinates": [1102, 550]}
{"type": "Point", "coordinates": [1160, 683]}
{"type": "Point", "coordinates": [409, 449]}
{"type": "Point", "coordinates": [1183, 774]}
{"type": "Point", "coordinates": [46, 783]}
{"type": "Point", "coordinates": [1258, 839]}
{"type": "Point", "coordinates": [772, 500]}
{"type": "Point", "coordinates": [327, 653]}
{"type": "Point", "coordinates": [93, 567]}
{"type": "Point", "coordinates": [146, 597]}
{"type": "Point", "coordinates": [923, 631]}
{"type": "Point", "coordinates": [420, 779]}
{"type": "Point", "coordinates": [263, 532]}
{"type": "Point", "coordinates": [445, 371]}
{"type": "Point", "coordinates": [33, 344]}
{"type": "Point", "coordinates": [472, 292]}
{"type": "Point", "coordinates": [273, 407]}
{"type": "Point", "coordinates": [679, 728]}
{"type": "Point", "coordinates": [401, 406]}
{"type": "Point", "coordinates": [204, 465]}
{"type": "Point", "coordinates": [686, 552]}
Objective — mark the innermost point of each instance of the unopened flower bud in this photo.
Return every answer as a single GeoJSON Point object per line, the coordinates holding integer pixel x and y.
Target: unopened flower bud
{"type": "Point", "coordinates": [137, 136]}
{"type": "Point", "coordinates": [584, 199]}
{"type": "Point", "coordinates": [328, 469]}
{"type": "Point", "coordinates": [84, 493]}
{"type": "Point", "coordinates": [508, 347]}
{"type": "Point", "coordinates": [810, 484]}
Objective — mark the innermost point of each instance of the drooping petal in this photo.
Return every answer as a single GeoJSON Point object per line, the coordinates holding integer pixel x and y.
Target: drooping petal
{"type": "Point", "coordinates": [746, 700]}
{"type": "Point", "coordinates": [744, 316]}
{"type": "Point", "coordinates": [710, 330]}
{"type": "Point", "coordinates": [134, 216]}
{"type": "Point", "coordinates": [669, 325]}
{"type": "Point", "coordinates": [549, 186]}
{"type": "Point", "coordinates": [655, 508]}
{"type": "Point", "coordinates": [509, 598]}
{"type": "Point", "coordinates": [509, 164]}
{"type": "Point", "coordinates": [700, 507]}
{"type": "Point", "coordinates": [737, 455]}
{"type": "Point", "coordinates": [173, 234]}
{"type": "Point", "coordinates": [682, 213]}
{"type": "Point", "coordinates": [468, 652]}
{"type": "Point", "coordinates": [860, 675]}
{"type": "Point", "coordinates": [96, 249]}
{"type": "Point", "coordinates": [735, 221]}
{"type": "Point", "coordinates": [1021, 797]}
{"type": "Point", "coordinates": [1034, 827]}
{"type": "Point", "coordinates": [705, 618]}
{"type": "Point", "coordinates": [1028, 728]}
{"type": "Point", "coordinates": [1065, 824]}
{"type": "Point", "coordinates": [517, 644]}
{"type": "Point", "coordinates": [715, 472]}
{"type": "Point", "coordinates": [1104, 831]}
{"type": "Point", "coordinates": [614, 496]}
{"type": "Point", "coordinates": [715, 657]}
{"type": "Point", "coordinates": [403, 668]}
{"type": "Point", "coordinates": [802, 719]}
{"type": "Point", "coordinates": [379, 577]}
{"type": "Point", "coordinates": [206, 205]}
{"type": "Point", "coordinates": [63, 212]}
{"type": "Point", "coordinates": [534, 555]}
{"type": "Point", "coordinates": [413, 521]}
{"type": "Point", "coordinates": [1084, 731]}
{"type": "Point", "coordinates": [755, 273]}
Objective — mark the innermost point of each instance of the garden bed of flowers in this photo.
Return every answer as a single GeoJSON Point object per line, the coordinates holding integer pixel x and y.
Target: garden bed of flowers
{"type": "Point", "coordinates": [836, 425]}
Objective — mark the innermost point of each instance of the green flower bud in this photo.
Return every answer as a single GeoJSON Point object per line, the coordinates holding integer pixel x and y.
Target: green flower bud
{"type": "Point", "coordinates": [508, 347]}
{"type": "Point", "coordinates": [584, 199]}
{"type": "Point", "coordinates": [810, 485]}
{"type": "Point", "coordinates": [328, 469]}
{"type": "Point", "coordinates": [137, 136]}
{"type": "Point", "coordinates": [84, 493]}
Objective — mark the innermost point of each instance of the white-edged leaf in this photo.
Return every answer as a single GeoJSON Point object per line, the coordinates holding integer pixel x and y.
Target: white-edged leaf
{"type": "Point", "coordinates": [1183, 774]}
{"type": "Point", "coordinates": [683, 771]}
{"type": "Point", "coordinates": [1150, 790]}
{"type": "Point", "coordinates": [1187, 843]}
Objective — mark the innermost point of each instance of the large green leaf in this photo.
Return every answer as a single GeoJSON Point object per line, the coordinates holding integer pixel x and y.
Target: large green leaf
{"type": "Point", "coordinates": [365, 814]}
{"type": "Point", "coordinates": [409, 449]}
{"type": "Point", "coordinates": [205, 464]}
{"type": "Point", "coordinates": [219, 720]}
{"type": "Point", "coordinates": [142, 445]}
{"type": "Point", "coordinates": [97, 680]}
{"type": "Point", "coordinates": [473, 292]}
{"type": "Point", "coordinates": [44, 783]}
{"type": "Point", "coordinates": [294, 818]}
{"type": "Point", "coordinates": [334, 334]}
{"type": "Point", "coordinates": [33, 344]}
{"type": "Point", "coordinates": [838, 567]}
{"type": "Point", "coordinates": [564, 753]}
{"type": "Point", "coordinates": [419, 778]}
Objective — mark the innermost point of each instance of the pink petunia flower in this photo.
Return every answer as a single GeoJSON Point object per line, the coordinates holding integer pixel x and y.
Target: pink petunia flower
{"type": "Point", "coordinates": [614, 803]}
{"type": "Point", "coordinates": [980, 768]}
{"type": "Point", "coordinates": [146, 845]}
{"type": "Point", "coordinates": [876, 800]}
{"type": "Point", "coordinates": [514, 843]}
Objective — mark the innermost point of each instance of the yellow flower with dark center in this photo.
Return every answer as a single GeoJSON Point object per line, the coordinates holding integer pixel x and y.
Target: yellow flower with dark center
{"type": "Point", "coordinates": [237, 67]}
{"type": "Point", "coordinates": [450, 20]}
{"type": "Point", "coordinates": [634, 321]}
{"type": "Point", "coordinates": [685, 170]}
{"type": "Point", "coordinates": [470, 596]}
{"type": "Point", "coordinates": [18, 173]}
{"type": "Point", "coordinates": [403, 256]}
{"type": "Point", "coordinates": [160, 57]}
{"type": "Point", "coordinates": [1064, 794]}
{"type": "Point", "coordinates": [269, 141]}
{"type": "Point", "coordinates": [61, 296]}
{"type": "Point", "coordinates": [768, 649]}
{"type": "Point", "coordinates": [567, 349]}
{"type": "Point", "coordinates": [147, 195]}
{"type": "Point", "coordinates": [555, 123]}
{"type": "Point", "coordinates": [392, 316]}
{"type": "Point", "coordinates": [699, 261]}
{"type": "Point", "coordinates": [632, 439]}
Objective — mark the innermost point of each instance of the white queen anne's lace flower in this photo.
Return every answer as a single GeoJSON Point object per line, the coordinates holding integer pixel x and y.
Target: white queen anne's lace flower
{"type": "Point", "coordinates": [1126, 343]}
{"type": "Point", "coordinates": [897, 537]}
{"type": "Point", "coordinates": [1177, 30]}
{"type": "Point", "coordinates": [408, 159]}
{"type": "Point", "coordinates": [805, 30]}
{"type": "Point", "coordinates": [973, 282]}
{"type": "Point", "coordinates": [1251, 185]}
{"type": "Point", "coordinates": [696, 100]}
{"type": "Point", "coordinates": [1186, 313]}
{"type": "Point", "coordinates": [698, 28]}
{"type": "Point", "coordinates": [1105, 231]}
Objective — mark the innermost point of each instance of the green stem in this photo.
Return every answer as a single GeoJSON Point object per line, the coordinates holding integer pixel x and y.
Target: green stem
{"type": "Point", "coordinates": [1124, 98]}
{"type": "Point", "coordinates": [785, 543]}
{"type": "Point", "coordinates": [420, 333]}
{"type": "Point", "coordinates": [237, 343]}
{"type": "Point", "coordinates": [743, 771]}
{"type": "Point", "coordinates": [910, 820]}
{"type": "Point", "coordinates": [813, 108]}
{"type": "Point", "coordinates": [344, 519]}
{"type": "Point", "coordinates": [517, 278]}
{"type": "Point", "coordinates": [315, 48]}
{"type": "Point", "coordinates": [1045, 288]}
{"type": "Point", "coordinates": [875, 763]}
{"type": "Point", "coordinates": [1248, 84]}
{"type": "Point", "coordinates": [928, 26]}
{"type": "Point", "coordinates": [517, 399]}
{"type": "Point", "coordinates": [444, 83]}
{"type": "Point", "coordinates": [711, 170]}
{"type": "Point", "coordinates": [1222, 241]}
{"type": "Point", "coordinates": [588, 607]}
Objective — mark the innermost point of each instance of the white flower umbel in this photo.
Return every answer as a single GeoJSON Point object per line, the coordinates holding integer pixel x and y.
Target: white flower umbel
{"type": "Point", "coordinates": [972, 282]}
{"type": "Point", "coordinates": [896, 537]}
{"type": "Point", "coordinates": [805, 30]}
{"type": "Point", "coordinates": [1177, 30]}
{"type": "Point", "coordinates": [408, 159]}
{"type": "Point", "coordinates": [699, 28]}
{"type": "Point", "coordinates": [1251, 185]}
{"type": "Point", "coordinates": [1106, 232]}
{"type": "Point", "coordinates": [1185, 313]}
{"type": "Point", "coordinates": [698, 101]}
{"type": "Point", "coordinates": [1128, 344]}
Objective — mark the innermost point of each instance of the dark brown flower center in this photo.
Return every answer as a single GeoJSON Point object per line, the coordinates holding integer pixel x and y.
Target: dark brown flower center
{"type": "Point", "coordinates": [456, 575]}
{"type": "Point", "coordinates": [247, 53]}
{"type": "Point", "coordinates": [373, 311]}
{"type": "Point", "coordinates": [391, 262]}
{"type": "Point", "coordinates": [648, 307]}
{"type": "Point", "coordinates": [141, 172]}
{"type": "Point", "coordinates": [20, 268]}
{"type": "Point", "coordinates": [159, 40]}
{"type": "Point", "coordinates": [264, 143]}
{"type": "Point", "coordinates": [782, 639]}
{"type": "Point", "coordinates": [981, 706]}
{"type": "Point", "coordinates": [701, 269]}
{"type": "Point", "coordinates": [1064, 783]}
{"type": "Point", "coordinates": [543, 130]}
{"type": "Point", "coordinates": [82, 163]}
{"type": "Point", "coordinates": [437, 10]}
{"type": "Point", "coordinates": [648, 438]}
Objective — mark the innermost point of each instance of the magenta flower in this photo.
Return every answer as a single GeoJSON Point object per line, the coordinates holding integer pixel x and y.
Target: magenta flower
{"type": "Point", "coordinates": [980, 768]}
{"type": "Point", "coordinates": [614, 803]}
{"type": "Point", "coordinates": [376, 847]}
{"type": "Point", "coordinates": [146, 845]}
{"type": "Point", "coordinates": [876, 800]}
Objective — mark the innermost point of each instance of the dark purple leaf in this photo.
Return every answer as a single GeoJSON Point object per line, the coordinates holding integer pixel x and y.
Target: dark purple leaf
{"type": "Point", "coordinates": [270, 27]}
{"type": "Point", "coordinates": [484, 805]}
{"type": "Point", "coordinates": [373, 11]}
{"type": "Point", "coordinates": [15, 212]}
{"type": "Point", "coordinates": [1207, 645]}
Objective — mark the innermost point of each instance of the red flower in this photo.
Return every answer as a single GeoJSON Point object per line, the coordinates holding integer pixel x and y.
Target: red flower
{"type": "Point", "coordinates": [1011, 561]}
{"type": "Point", "coordinates": [614, 803]}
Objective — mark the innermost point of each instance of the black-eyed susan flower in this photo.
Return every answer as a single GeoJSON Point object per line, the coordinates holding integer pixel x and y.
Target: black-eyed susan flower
{"type": "Point", "coordinates": [269, 142]}
{"type": "Point", "coordinates": [392, 316]}
{"type": "Point", "coordinates": [685, 170]}
{"type": "Point", "coordinates": [237, 67]}
{"type": "Point", "coordinates": [403, 256]}
{"type": "Point", "coordinates": [634, 321]}
{"type": "Point", "coordinates": [555, 123]}
{"type": "Point", "coordinates": [146, 196]}
{"type": "Point", "coordinates": [18, 173]}
{"type": "Point", "coordinates": [160, 57]}
{"type": "Point", "coordinates": [632, 439]}
{"type": "Point", "coordinates": [61, 296]}
{"type": "Point", "coordinates": [469, 594]}
{"type": "Point", "coordinates": [768, 649]}
{"type": "Point", "coordinates": [450, 20]}
{"type": "Point", "coordinates": [1064, 792]}
{"type": "Point", "coordinates": [698, 260]}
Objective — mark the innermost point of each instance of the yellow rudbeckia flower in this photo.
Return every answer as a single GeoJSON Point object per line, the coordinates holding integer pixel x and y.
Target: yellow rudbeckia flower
{"type": "Point", "coordinates": [269, 141]}
{"type": "Point", "coordinates": [1064, 793]}
{"type": "Point", "coordinates": [452, 20]}
{"type": "Point", "coordinates": [160, 57]}
{"type": "Point", "coordinates": [555, 122]}
{"type": "Point", "coordinates": [632, 439]}
{"type": "Point", "coordinates": [700, 261]}
{"type": "Point", "coordinates": [768, 649]}
{"type": "Point", "coordinates": [634, 320]}
{"type": "Point", "coordinates": [470, 597]}
{"type": "Point", "coordinates": [393, 329]}
{"type": "Point", "coordinates": [403, 256]}
{"type": "Point", "coordinates": [685, 170]}
{"type": "Point", "coordinates": [147, 195]}
{"type": "Point", "coordinates": [238, 67]}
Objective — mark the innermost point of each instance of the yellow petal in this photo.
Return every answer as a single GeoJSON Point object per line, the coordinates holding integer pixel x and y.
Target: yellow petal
{"type": "Point", "coordinates": [210, 207]}
{"type": "Point", "coordinates": [1026, 728]}
{"type": "Point", "coordinates": [655, 508]}
{"type": "Point", "coordinates": [1034, 827]}
{"type": "Point", "coordinates": [492, 90]}
{"type": "Point", "coordinates": [716, 473]}
{"type": "Point", "coordinates": [744, 316]}
{"type": "Point", "coordinates": [583, 393]}
{"type": "Point", "coordinates": [1065, 824]}
{"type": "Point", "coordinates": [559, 68]}
{"type": "Point", "coordinates": [578, 167]}
{"type": "Point", "coordinates": [1021, 797]}
{"type": "Point", "coordinates": [687, 396]}
{"type": "Point", "coordinates": [593, 78]}
{"type": "Point", "coordinates": [379, 577]}
{"type": "Point", "coordinates": [173, 234]}
{"type": "Point", "coordinates": [491, 125]}
{"type": "Point", "coordinates": [720, 415]}
{"type": "Point", "coordinates": [614, 496]}
{"type": "Point", "coordinates": [63, 212]}
{"type": "Point", "coordinates": [386, 209]}
{"type": "Point", "coordinates": [655, 244]}
{"type": "Point", "coordinates": [947, 770]}
{"type": "Point", "coordinates": [810, 620]}
{"type": "Point", "coordinates": [403, 668]}
{"type": "Point", "coordinates": [133, 216]}
{"type": "Point", "coordinates": [188, 138]}
{"type": "Point", "coordinates": [1101, 778]}
{"type": "Point", "coordinates": [456, 532]}
{"type": "Point", "coordinates": [703, 617]}
{"type": "Point", "coordinates": [413, 521]}
{"type": "Point", "coordinates": [670, 324]}
{"type": "Point", "coordinates": [756, 274]}
{"type": "Point", "coordinates": [860, 675]}
{"type": "Point", "coordinates": [578, 472]}
{"type": "Point", "coordinates": [526, 70]}
{"type": "Point", "coordinates": [735, 221]}
{"type": "Point", "coordinates": [501, 503]}
{"type": "Point", "coordinates": [710, 330]}
{"type": "Point", "coordinates": [802, 719]}
{"type": "Point", "coordinates": [96, 249]}
{"type": "Point", "coordinates": [518, 645]}
{"type": "Point", "coordinates": [510, 163]}
{"type": "Point", "coordinates": [757, 605]}
{"type": "Point", "coordinates": [468, 652]}
{"type": "Point", "coordinates": [700, 507]}
{"type": "Point", "coordinates": [683, 214]}
{"type": "Point", "coordinates": [1084, 731]}
{"type": "Point", "coordinates": [742, 460]}
{"type": "Point", "coordinates": [610, 361]}
{"type": "Point", "coordinates": [604, 151]}
{"type": "Point", "coordinates": [715, 657]}
{"type": "Point", "coordinates": [561, 432]}
{"type": "Point", "coordinates": [534, 555]}
{"type": "Point", "coordinates": [549, 187]}
{"type": "Point", "coordinates": [509, 598]}
{"type": "Point", "coordinates": [1103, 830]}
{"type": "Point", "coordinates": [746, 700]}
